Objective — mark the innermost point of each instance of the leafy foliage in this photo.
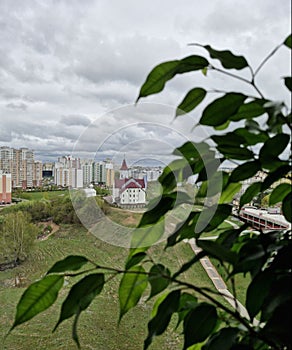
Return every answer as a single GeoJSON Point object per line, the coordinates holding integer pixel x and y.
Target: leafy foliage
{"type": "Point", "coordinates": [37, 298]}
{"type": "Point", "coordinates": [257, 139]}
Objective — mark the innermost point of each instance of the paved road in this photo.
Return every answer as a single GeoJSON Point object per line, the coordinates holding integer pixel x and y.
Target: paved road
{"type": "Point", "coordinates": [218, 281]}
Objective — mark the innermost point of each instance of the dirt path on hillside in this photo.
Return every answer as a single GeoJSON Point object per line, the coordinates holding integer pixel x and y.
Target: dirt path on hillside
{"type": "Point", "coordinates": [54, 227]}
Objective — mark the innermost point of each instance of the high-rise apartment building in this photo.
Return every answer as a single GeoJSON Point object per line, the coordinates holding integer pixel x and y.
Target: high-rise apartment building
{"type": "Point", "coordinates": [37, 175]}
{"type": "Point", "coordinates": [87, 170]}
{"type": "Point", "coordinates": [68, 172]}
{"type": "Point", "coordinates": [99, 172]}
{"type": "Point", "coordinates": [21, 165]}
{"type": "Point", "coordinates": [110, 174]}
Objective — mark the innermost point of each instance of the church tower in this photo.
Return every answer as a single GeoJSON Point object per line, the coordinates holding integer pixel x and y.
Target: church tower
{"type": "Point", "coordinates": [124, 170]}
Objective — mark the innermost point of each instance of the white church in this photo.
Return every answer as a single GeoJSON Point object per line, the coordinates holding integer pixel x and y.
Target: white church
{"type": "Point", "coordinates": [129, 192]}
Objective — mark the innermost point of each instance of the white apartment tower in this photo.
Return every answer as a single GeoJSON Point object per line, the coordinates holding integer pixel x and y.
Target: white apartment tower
{"type": "Point", "coordinates": [68, 172]}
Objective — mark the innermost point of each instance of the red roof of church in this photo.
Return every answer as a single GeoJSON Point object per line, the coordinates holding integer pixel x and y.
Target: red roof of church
{"type": "Point", "coordinates": [124, 165]}
{"type": "Point", "coordinates": [129, 183]}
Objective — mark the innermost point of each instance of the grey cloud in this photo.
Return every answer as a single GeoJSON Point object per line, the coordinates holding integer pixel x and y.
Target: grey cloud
{"type": "Point", "coordinates": [17, 105]}
{"type": "Point", "coordinates": [69, 63]}
{"type": "Point", "coordinates": [124, 58]}
{"type": "Point", "coordinates": [73, 120]}
{"type": "Point", "coordinates": [5, 136]}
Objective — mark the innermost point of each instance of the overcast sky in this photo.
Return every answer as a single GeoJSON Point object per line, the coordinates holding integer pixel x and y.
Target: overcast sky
{"type": "Point", "coordinates": [65, 64]}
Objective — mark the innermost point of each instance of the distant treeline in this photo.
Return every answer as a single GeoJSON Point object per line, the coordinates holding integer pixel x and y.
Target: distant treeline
{"type": "Point", "coordinates": [60, 210]}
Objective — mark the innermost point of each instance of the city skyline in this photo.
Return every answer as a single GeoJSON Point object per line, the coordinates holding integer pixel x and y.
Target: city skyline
{"type": "Point", "coordinates": [25, 172]}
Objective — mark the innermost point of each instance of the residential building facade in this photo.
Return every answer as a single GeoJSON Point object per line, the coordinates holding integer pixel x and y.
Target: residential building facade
{"type": "Point", "coordinates": [25, 171]}
{"type": "Point", "coordinates": [5, 188]}
{"type": "Point", "coordinates": [68, 172]}
{"type": "Point", "coordinates": [129, 193]}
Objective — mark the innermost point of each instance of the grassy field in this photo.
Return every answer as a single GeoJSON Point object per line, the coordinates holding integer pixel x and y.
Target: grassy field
{"type": "Point", "coordinates": [36, 196]}
{"type": "Point", "coordinates": [98, 325]}
{"type": "Point", "coordinates": [123, 217]}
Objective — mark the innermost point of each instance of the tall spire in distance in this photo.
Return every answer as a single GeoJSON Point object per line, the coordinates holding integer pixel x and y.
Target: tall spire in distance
{"type": "Point", "coordinates": [124, 170]}
{"type": "Point", "coordinates": [124, 165]}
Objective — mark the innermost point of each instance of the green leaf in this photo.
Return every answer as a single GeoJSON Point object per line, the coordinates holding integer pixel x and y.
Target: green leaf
{"type": "Point", "coordinates": [225, 339]}
{"type": "Point", "coordinates": [227, 58]}
{"type": "Point", "coordinates": [199, 324]}
{"type": "Point", "coordinates": [275, 175]}
{"type": "Point", "coordinates": [160, 74]}
{"type": "Point", "coordinates": [288, 83]}
{"type": "Point", "coordinates": [167, 179]}
{"type": "Point", "coordinates": [191, 150]}
{"type": "Point", "coordinates": [190, 263]}
{"type": "Point", "coordinates": [235, 153]}
{"type": "Point", "coordinates": [70, 263]}
{"type": "Point", "coordinates": [277, 328]}
{"type": "Point", "coordinates": [271, 149]}
{"type": "Point", "coordinates": [158, 300]}
{"type": "Point", "coordinates": [157, 78]}
{"type": "Point", "coordinates": [173, 172]}
{"type": "Point", "coordinates": [202, 190]}
{"type": "Point", "coordinates": [229, 192]}
{"type": "Point", "coordinates": [196, 156]}
{"type": "Point", "coordinates": [160, 206]}
{"type": "Point", "coordinates": [214, 185]}
{"type": "Point", "coordinates": [279, 294]}
{"type": "Point", "coordinates": [222, 213]}
{"type": "Point", "coordinates": [274, 146]}
{"type": "Point", "coordinates": [160, 321]}
{"type": "Point", "coordinates": [245, 171]}
{"type": "Point", "coordinates": [250, 193]}
{"type": "Point", "coordinates": [222, 126]}
{"type": "Point", "coordinates": [184, 230]}
{"type": "Point", "coordinates": [288, 41]}
{"type": "Point", "coordinates": [229, 139]}
{"type": "Point", "coordinates": [205, 71]}
{"type": "Point", "coordinates": [132, 254]}
{"type": "Point", "coordinates": [74, 329]}
{"type": "Point", "coordinates": [279, 193]}
{"type": "Point", "coordinates": [157, 280]}
{"type": "Point", "coordinates": [132, 286]}
{"type": "Point", "coordinates": [187, 302]}
{"type": "Point", "coordinates": [80, 296]}
{"type": "Point", "coordinates": [148, 235]}
{"type": "Point", "coordinates": [249, 110]}
{"type": "Point", "coordinates": [193, 98]}
{"type": "Point", "coordinates": [251, 138]}
{"type": "Point", "coordinates": [38, 297]}
{"type": "Point", "coordinates": [251, 258]}
{"type": "Point", "coordinates": [283, 259]}
{"type": "Point", "coordinates": [192, 63]}
{"type": "Point", "coordinates": [221, 109]}
{"type": "Point", "coordinates": [228, 237]}
{"type": "Point", "coordinates": [257, 291]}
{"type": "Point", "coordinates": [135, 259]}
{"type": "Point", "coordinates": [287, 207]}
{"type": "Point", "coordinates": [217, 250]}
